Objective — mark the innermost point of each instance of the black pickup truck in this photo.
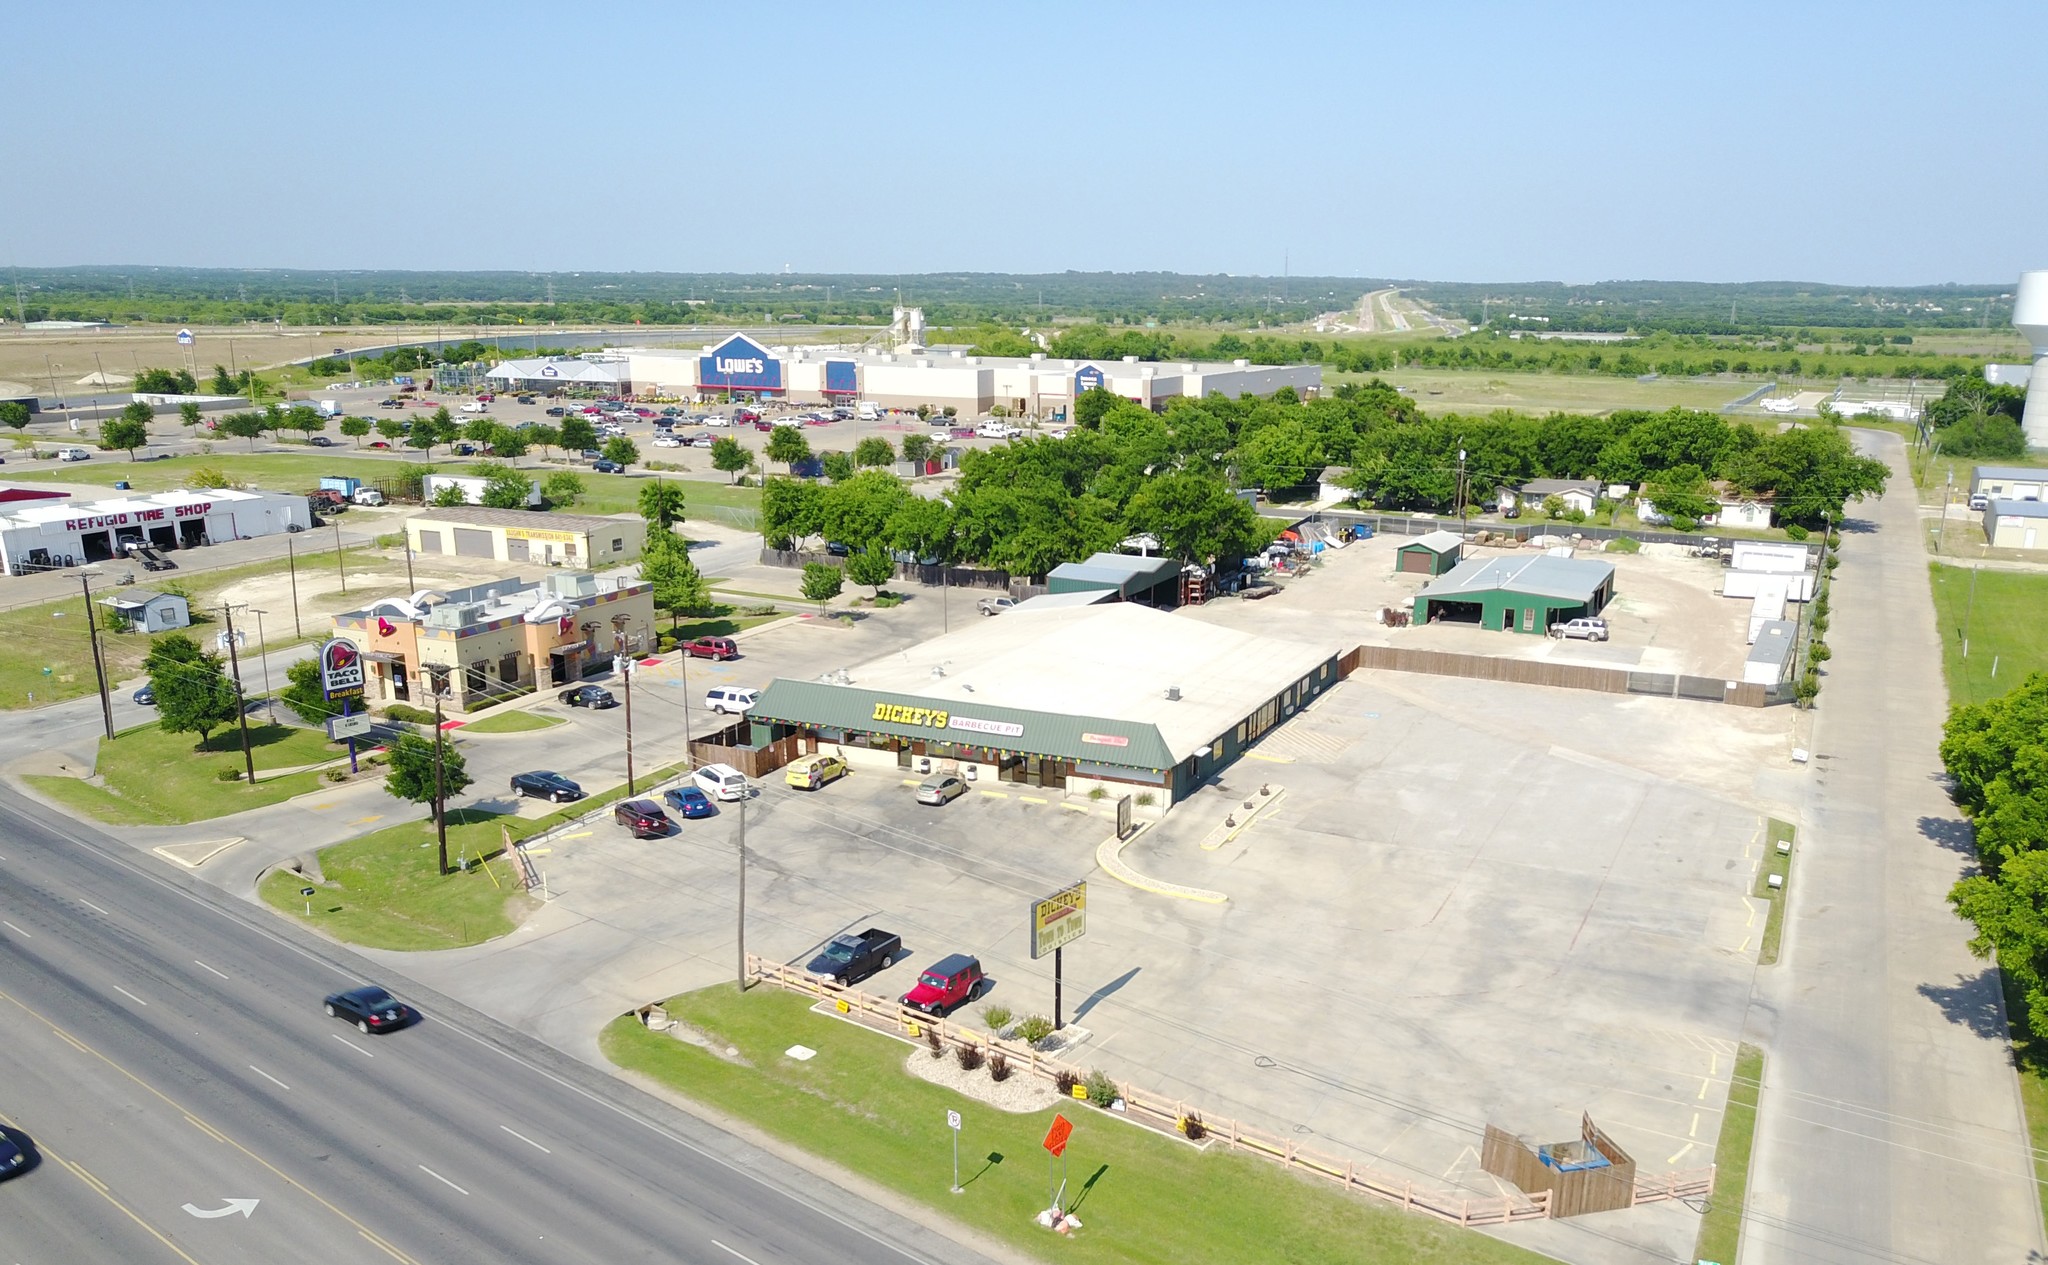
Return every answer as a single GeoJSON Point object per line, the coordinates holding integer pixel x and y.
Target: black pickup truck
{"type": "Point", "coordinates": [849, 959]}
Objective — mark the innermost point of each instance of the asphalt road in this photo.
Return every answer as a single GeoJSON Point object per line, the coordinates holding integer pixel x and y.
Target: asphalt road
{"type": "Point", "coordinates": [165, 1049]}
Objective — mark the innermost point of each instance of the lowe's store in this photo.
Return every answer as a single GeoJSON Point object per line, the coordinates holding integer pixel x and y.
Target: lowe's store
{"type": "Point", "coordinates": [742, 368]}
{"type": "Point", "coordinates": [1120, 696]}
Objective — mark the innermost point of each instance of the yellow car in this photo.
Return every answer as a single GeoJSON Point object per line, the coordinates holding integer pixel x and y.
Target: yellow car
{"type": "Point", "coordinates": [812, 772]}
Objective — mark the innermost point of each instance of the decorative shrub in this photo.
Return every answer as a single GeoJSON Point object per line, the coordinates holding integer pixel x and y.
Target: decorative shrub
{"type": "Point", "coordinates": [336, 775]}
{"type": "Point", "coordinates": [1834, 560]}
{"type": "Point", "coordinates": [1102, 1090]}
{"type": "Point", "coordinates": [1834, 538]}
{"type": "Point", "coordinates": [932, 1042]}
{"type": "Point", "coordinates": [766, 608]}
{"type": "Point", "coordinates": [969, 1056]}
{"type": "Point", "coordinates": [1820, 625]}
{"type": "Point", "coordinates": [888, 600]}
{"type": "Point", "coordinates": [998, 1066]}
{"type": "Point", "coordinates": [1032, 1029]}
{"type": "Point", "coordinates": [997, 1017]}
{"type": "Point", "coordinates": [1065, 1081]}
{"type": "Point", "coordinates": [1819, 652]}
{"type": "Point", "coordinates": [1145, 799]}
{"type": "Point", "coordinates": [229, 775]}
{"type": "Point", "coordinates": [1807, 689]}
{"type": "Point", "coordinates": [407, 712]}
{"type": "Point", "coordinates": [1192, 1126]}
{"type": "Point", "coordinates": [1680, 522]}
{"type": "Point", "coordinates": [1575, 515]}
{"type": "Point", "coordinates": [1097, 793]}
{"type": "Point", "coordinates": [1794, 531]}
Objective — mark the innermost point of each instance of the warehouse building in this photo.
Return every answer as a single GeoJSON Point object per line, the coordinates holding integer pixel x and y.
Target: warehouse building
{"type": "Point", "coordinates": [2016, 524]}
{"type": "Point", "coordinates": [1151, 581]}
{"type": "Point", "coordinates": [2013, 483]}
{"type": "Point", "coordinates": [1117, 695]}
{"type": "Point", "coordinates": [1517, 594]}
{"type": "Point", "coordinates": [37, 537]}
{"type": "Point", "coordinates": [1431, 554]}
{"type": "Point", "coordinates": [483, 644]}
{"type": "Point", "coordinates": [1037, 386]}
{"type": "Point", "coordinates": [554, 374]}
{"type": "Point", "coordinates": [516, 536]}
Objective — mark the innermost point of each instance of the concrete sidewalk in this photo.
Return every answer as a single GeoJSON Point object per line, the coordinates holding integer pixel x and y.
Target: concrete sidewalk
{"type": "Point", "coordinates": [1890, 1125]}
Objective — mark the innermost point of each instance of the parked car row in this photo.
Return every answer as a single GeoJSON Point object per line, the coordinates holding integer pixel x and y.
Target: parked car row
{"type": "Point", "coordinates": [941, 988]}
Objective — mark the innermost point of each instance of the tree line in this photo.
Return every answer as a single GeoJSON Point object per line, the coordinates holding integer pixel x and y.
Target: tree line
{"type": "Point", "coordinates": [1973, 418]}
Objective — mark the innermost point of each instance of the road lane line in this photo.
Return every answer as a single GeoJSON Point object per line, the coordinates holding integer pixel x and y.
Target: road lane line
{"type": "Point", "coordinates": [352, 1045]}
{"type": "Point", "coordinates": [272, 1079]}
{"type": "Point", "coordinates": [444, 1181]}
{"type": "Point", "coordinates": [100, 1188]}
{"type": "Point", "coordinates": [130, 996]}
{"type": "Point", "coordinates": [742, 1255]}
{"type": "Point", "coordinates": [222, 974]}
{"type": "Point", "coordinates": [523, 1138]}
{"type": "Point", "coordinates": [16, 930]}
{"type": "Point", "coordinates": [205, 1128]}
{"type": "Point", "coordinates": [388, 1249]}
{"type": "Point", "coordinates": [95, 908]}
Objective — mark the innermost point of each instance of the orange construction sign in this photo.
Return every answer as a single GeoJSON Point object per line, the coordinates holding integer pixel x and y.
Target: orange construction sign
{"type": "Point", "coordinates": [1056, 1137]}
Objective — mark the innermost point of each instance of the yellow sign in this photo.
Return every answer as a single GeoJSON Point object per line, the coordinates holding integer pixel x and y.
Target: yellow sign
{"type": "Point", "coordinates": [1080, 1091]}
{"type": "Point", "coordinates": [1059, 919]}
{"type": "Point", "coordinates": [899, 715]}
{"type": "Point", "coordinates": [535, 533]}
{"type": "Point", "coordinates": [842, 1007]}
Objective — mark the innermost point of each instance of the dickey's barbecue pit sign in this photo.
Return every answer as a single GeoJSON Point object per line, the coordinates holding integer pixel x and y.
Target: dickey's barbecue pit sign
{"type": "Point", "coordinates": [932, 718]}
{"type": "Point", "coordinates": [130, 518]}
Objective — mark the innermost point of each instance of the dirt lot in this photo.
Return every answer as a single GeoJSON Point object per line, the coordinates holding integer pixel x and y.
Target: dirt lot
{"type": "Point", "coordinates": [1666, 615]}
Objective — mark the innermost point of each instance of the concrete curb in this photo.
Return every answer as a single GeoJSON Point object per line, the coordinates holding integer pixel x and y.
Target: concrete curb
{"type": "Point", "coordinates": [1109, 855]}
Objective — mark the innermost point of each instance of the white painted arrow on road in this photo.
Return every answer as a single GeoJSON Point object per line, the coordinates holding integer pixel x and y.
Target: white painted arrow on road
{"type": "Point", "coordinates": [247, 1207]}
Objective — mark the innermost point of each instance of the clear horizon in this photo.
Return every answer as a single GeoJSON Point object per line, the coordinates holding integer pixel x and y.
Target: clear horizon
{"type": "Point", "coordinates": [1740, 143]}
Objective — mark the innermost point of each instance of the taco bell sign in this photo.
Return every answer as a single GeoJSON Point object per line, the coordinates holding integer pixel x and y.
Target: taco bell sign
{"type": "Point", "coordinates": [739, 364]}
{"type": "Point", "coordinates": [341, 670]}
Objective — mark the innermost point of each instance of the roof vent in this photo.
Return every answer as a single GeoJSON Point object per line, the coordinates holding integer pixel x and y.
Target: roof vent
{"type": "Point", "coordinates": [1173, 693]}
{"type": "Point", "coordinates": [938, 671]}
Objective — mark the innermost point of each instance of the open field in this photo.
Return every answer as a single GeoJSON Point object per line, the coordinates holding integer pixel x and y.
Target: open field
{"type": "Point", "coordinates": [1141, 1197]}
{"type": "Point", "coordinates": [1482, 391]}
{"type": "Point", "coordinates": [2002, 621]}
{"type": "Point", "coordinates": [153, 778]}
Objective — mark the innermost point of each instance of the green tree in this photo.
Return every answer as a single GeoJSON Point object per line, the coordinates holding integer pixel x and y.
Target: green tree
{"type": "Point", "coordinates": [508, 442]}
{"type": "Point", "coordinates": [678, 587]}
{"type": "Point", "coordinates": [622, 450]}
{"type": "Point", "coordinates": [661, 504]}
{"type": "Point", "coordinates": [923, 528]}
{"type": "Point", "coordinates": [1279, 454]}
{"type": "Point", "coordinates": [871, 566]}
{"type": "Point", "coordinates": [544, 436]}
{"type": "Point", "coordinates": [189, 414]}
{"type": "Point", "coordinates": [837, 466]}
{"type": "Point", "coordinates": [874, 451]}
{"type": "Point", "coordinates": [224, 383]}
{"type": "Point", "coordinates": [790, 511]}
{"type": "Point", "coordinates": [193, 694]}
{"type": "Point", "coordinates": [302, 693]}
{"type": "Point", "coordinates": [13, 414]}
{"type": "Point", "coordinates": [127, 429]}
{"type": "Point", "coordinates": [1091, 405]}
{"type": "Point", "coordinates": [822, 583]}
{"type": "Point", "coordinates": [448, 496]}
{"type": "Point", "coordinates": [917, 449]}
{"type": "Point", "coordinates": [412, 775]}
{"type": "Point", "coordinates": [480, 430]}
{"type": "Point", "coordinates": [2010, 913]}
{"type": "Point", "coordinates": [729, 456]}
{"type": "Point", "coordinates": [578, 435]}
{"type": "Point", "coordinates": [355, 428]}
{"type": "Point", "coordinates": [1681, 492]}
{"type": "Point", "coordinates": [249, 426]}
{"type": "Point", "coordinates": [504, 487]}
{"type": "Point", "coordinates": [563, 489]}
{"type": "Point", "coordinates": [1195, 516]}
{"type": "Point", "coordinates": [423, 434]}
{"type": "Point", "coordinates": [390, 430]}
{"type": "Point", "coordinates": [788, 445]}
{"type": "Point", "coordinates": [860, 509]}
{"type": "Point", "coordinates": [305, 419]}
{"type": "Point", "coordinates": [1818, 473]}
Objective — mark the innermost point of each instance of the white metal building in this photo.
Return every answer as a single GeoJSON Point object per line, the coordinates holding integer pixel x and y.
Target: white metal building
{"type": "Point", "coordinates": [40, 537]}
{"type": "Point", "coordinates": [553, 374]}
{"type": "Point", "coordinates": [1039, 385]}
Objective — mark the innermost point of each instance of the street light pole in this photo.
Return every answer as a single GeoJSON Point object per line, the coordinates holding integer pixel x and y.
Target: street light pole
{"type": "Point", "coordinates": [440, 794]}
{"type": "Point", "coordinates": [625, 666]}
{"type": "Point", "coordinates": [99, 668]}
{"type": "Point", "coordinates": [241, 711]}
{"type": "Point", "coordinates": [743, 898]}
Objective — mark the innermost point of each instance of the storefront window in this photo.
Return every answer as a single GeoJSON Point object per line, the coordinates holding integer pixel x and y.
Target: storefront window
{"type": "Point", "coordinates": [508, 668]}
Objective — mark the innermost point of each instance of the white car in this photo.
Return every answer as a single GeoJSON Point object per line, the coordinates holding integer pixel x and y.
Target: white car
{"type": "Point", "coordinates": [716, 420]}
{"type": "Point", "coordinates": [941, 435]}
{"type": "Point", "coordinates": [997, 430]}
{"type": "Point", "coordinates": [474, 407]}
{"type": "Point", "coordinates": [667, 441]}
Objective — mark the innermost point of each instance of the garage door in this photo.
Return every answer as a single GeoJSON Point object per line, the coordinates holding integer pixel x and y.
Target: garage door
{"type": "Point", "coordinates": [517, 549]}
{"type": "Point", "coordinates": [471, 543]}
{"type": "Point", "coordinates": [430, 541]}
{"type": "Point", "coordinates": [1415, 560]}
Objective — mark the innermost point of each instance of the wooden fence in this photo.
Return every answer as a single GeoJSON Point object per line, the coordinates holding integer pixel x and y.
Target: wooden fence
{"type": "Point", "coordinates": [1569, 676]}
{"type": "Point", "coordinates": [1573, 1192]}
{"type": "Point", "coordinates": [1169, 1115]}
{"type": "Point", "coordinates": [724, 746]}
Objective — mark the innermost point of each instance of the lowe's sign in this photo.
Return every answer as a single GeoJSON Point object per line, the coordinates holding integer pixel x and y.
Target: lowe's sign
{"type": "Point", "coordinates": [1087, 378]}
{"type": "Point", "coordinates": [739, 364]}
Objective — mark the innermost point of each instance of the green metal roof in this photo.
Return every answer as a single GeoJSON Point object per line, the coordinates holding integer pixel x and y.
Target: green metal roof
{"type": "Point", "coordinates": [1090, 738]}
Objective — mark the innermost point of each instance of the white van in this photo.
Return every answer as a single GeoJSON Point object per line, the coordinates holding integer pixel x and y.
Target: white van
{"type": "Point", "coordinates": [731, 699]}
{"type": "Point", "coordinates": [721, 781]}
{"type": "Point", "coordinates": [868, 412]}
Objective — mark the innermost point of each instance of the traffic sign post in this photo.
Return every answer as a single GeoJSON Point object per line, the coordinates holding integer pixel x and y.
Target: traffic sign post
{"type": "Point", "coordinates": [307, 892]}
{"type": "Point", "coordinates": [953, 1123]}
{"type": "Point", "coordinates": [1056, 1146]}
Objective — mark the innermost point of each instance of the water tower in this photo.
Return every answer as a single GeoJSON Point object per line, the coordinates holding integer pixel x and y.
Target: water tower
{"type": "Point", "coordinates": [2030, 317]}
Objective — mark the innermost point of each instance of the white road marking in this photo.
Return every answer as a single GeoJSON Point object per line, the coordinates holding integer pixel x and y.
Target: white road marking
{"type": "Point", "coordinates": [444, 1181]}
{"type": "Point", "coordinates": [95, 908]}
{"type": "Point", "coordinates": [352, 1045]}
{"type": "Point", "coordinates": [272, 1079]}
{"type": "Point", "coordinates": [742, 1255]}
{"type": "Point", "coordinates": [222, 974]}
{"type": "Point", "coordinates": [16, 930]}
{"type": "Point", "coordinates": [130, 996]}
{"type": "Point", "coordinates": [523, 1138]}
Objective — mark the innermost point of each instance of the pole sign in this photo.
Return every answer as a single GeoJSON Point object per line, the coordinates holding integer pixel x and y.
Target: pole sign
{"type": "Point", "coordinates": [184, 338]}
{"type": "Point", "coordinates": [1059, 919]}
{"type": "Point", "coordinates": [339, 727]}
{"type": "Point", "coordinates": [341, 669]}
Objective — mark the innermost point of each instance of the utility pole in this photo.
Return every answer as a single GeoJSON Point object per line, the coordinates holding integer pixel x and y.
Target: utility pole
{"type": "Point", "coordinates": [99, 668]}
{"type": "Point", "coordinates": [624, 663]}
{"type": "Point", "coordinates": [241, 712]}
{"type": "Point", "coordinates": [743, 898]}
{"type": "Point", "coordinates": [410, 586]}
{"type": "Point", "coordinates": [291, 563]}
{"type": "Point", "coordinates": [340, 558]}
{"type": "Point", "coordinates": [1941, 526]}
{"type": "Point", "coordinates": [440, 795]}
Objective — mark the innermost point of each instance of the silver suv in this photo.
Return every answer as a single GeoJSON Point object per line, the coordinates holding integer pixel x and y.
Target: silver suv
{"type": "Point", "coordinates": [1588, 628]}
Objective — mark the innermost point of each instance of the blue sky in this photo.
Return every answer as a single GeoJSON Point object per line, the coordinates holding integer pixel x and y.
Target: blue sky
{"type": "Point", "coordinates": [1865, 143]}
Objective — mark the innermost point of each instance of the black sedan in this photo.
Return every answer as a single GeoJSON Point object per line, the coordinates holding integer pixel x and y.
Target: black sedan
{"type": "Point", "coordinates": [16, 1153]}
{"type": "Point", "coordinates": [146, 696]}
{"type": "Point", "coordinates": [371, 1009]}
{"type": "Point", "coordinates": [545, 785]}
{"type": "Point", "coordinates": [589, 696]}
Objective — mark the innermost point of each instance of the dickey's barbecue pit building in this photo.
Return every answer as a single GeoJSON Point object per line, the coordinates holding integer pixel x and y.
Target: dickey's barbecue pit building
{"type": "Point", "coordinates": [1120, 696]}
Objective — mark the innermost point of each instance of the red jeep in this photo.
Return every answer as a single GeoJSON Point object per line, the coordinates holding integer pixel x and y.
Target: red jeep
{"type": "Point", "coordinates": [946, 985]}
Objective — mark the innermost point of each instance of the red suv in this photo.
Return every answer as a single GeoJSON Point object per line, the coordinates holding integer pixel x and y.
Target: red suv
{"type": "Point", "coordinates": [711, 648]}
{"type": "Point", "coordinates": [946, 985]}
{"type": "Point", "coordinates": [644, 818]}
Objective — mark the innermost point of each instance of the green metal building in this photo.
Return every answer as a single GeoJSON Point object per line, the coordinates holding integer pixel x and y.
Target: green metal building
{"type": "Point", "coordinates": [1152, 581]}
{"type": "Point", "coordinates": [1511, 594]}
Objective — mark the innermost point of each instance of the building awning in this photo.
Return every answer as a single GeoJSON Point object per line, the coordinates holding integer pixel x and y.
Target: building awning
{"type": "Point", "coordinates": [570, 648]}
{"type": "Point", "coordinates": [383, 656]}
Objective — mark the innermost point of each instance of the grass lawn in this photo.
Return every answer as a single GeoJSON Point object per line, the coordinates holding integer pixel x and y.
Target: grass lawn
{"type": "Point", "coordinates": [276, 471]}
{"type": "Point", "coordinates": [157, 779]}
{"type": "Point", "coordinates": [53, 635]}
{"type": "Point", "coordinates": [2006, 634]}
{"type": "Point", "coordinates": [515, 722]}
{"type": "Point", "coordinates": [1774, 926]}
{"type": "Point", "coordinates": [381, 890]}
{"type": "Point", "coordinates": [722, 625]}
{"type": "Point", "coordinates": [1721, 1227]}
{"type": "Point", "coordinates": [1483, 390]}
{"type": "Point", "coordinates": [1141, 1197]}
